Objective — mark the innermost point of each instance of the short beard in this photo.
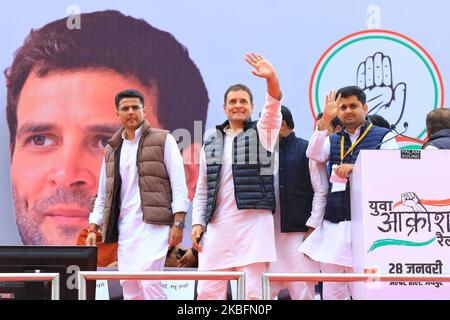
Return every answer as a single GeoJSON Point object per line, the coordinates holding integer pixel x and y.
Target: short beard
{"type": "Point", "coordinates": [29, 220]}
{"type": "Point", "coordinates": [28, 224]}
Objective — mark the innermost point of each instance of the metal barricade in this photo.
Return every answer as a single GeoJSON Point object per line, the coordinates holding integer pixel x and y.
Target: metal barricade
{"type": "Point", "coordinates": [160, 275]}
{"type": "Point", "coordinates": [53, 277]}
{"type": "Point", "coordinates": [344, 277]}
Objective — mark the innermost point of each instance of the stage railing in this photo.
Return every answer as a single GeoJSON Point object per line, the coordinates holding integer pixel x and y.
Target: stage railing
{"type": "Point", "coordinates": [160, 275]}
{"type": "Point", "coordinates": [52, 277]}
{"type": "Point", "coordinates": [344, 277]}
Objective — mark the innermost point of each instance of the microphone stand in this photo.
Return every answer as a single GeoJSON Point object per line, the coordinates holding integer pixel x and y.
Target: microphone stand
{"type": "Point", "coordinates": [397, 134]}
{"type": "Point", "coordinates": [405, 125]}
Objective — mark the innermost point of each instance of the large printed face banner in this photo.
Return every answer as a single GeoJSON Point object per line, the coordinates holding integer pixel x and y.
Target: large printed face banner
{"type": "Point", "coordinates": [61, 78]}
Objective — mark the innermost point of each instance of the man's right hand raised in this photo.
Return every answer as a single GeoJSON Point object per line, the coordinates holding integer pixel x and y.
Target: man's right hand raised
{"type": "Point", "coordinates": [330, 110]}
{"type": "Point", "coordinates": [264, 69]}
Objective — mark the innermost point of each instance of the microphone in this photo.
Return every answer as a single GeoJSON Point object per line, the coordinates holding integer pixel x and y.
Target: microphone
{"type": "Point", "coordinates": [405, 125]}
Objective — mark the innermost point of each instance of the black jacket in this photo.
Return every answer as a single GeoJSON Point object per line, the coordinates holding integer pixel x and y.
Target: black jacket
{"type": "Point", "coordinates": [296, 192]}
{"type": "Point", "coordinates": [252, 169]}
{"type": "Point", "coordinates": [440, 139]}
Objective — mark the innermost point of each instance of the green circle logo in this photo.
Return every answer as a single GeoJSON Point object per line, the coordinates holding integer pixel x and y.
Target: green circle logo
{"type": "Point", "coordinates": [401, 80]}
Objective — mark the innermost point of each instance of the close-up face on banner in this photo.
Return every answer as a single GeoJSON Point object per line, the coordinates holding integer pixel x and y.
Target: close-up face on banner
{"type": "Point", "coordinates": [60, 110]}
{"type": "Point", "coordinates": [63, 65]}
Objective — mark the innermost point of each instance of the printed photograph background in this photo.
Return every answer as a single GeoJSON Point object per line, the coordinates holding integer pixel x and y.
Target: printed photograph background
{"type": "Point", "coordinates": [293, 35]}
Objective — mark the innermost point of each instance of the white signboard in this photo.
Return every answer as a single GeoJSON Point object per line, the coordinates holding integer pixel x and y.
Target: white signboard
{"type": "Point", "coordinates": [401, 221]}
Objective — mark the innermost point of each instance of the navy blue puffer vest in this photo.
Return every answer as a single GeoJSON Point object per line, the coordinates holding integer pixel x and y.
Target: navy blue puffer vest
{"type": "Point", "coordinates": [338, 203]}
{"type": "Point", "coordinates": [440, 139]}
{"type": "Point", "coordinates": [252, 170]}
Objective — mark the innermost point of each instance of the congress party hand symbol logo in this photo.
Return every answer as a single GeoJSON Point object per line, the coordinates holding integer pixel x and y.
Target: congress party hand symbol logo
{"type": "Point", "coordinates": [374, 76]}
{"type": "Point", "coordinates": [401, 80]}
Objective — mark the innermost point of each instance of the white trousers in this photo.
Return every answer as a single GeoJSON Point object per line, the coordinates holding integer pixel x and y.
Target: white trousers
{"type": "Point", "coordinates": [297, 290]}
{"type": "Point", "coordinates": [336, 290]}
{"type": "Point", "coordinates": [217, 289]}
{"type": "Point", "coordinates": [145, 289]}
{"type": "Point", "coordinates": [293, 262]}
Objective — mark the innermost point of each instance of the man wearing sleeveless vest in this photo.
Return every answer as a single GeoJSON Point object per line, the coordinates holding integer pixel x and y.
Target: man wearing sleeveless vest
{"type": "Point", "coordinates": [142, 196]}
{"type": "Point", "coordinates": [330, 243]}
{"type": "Point", "coordinates": [438, 129]}
{"type": "Point", "coordinates": [301, 197]}
{"type": "Point", "coordinates": [235, 193]}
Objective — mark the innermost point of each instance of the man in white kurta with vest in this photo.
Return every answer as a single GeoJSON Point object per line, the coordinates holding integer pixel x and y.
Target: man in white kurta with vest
{"type": "Point", "coordinates": [235, 193]}
{"type": "Point", "coordinates": [330, 243]}
{"type": "Point", "coordinates": [142, 196]}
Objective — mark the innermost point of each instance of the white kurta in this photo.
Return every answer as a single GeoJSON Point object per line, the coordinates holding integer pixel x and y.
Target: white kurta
{"type": "Point", "coordinates": [289, 259]}
{"type": "Point", "coordinates": [331, 242]}
{"type": "Point", "coordinates": [141, 243]}
{"type": "Point", "coordinates": [236, 237]}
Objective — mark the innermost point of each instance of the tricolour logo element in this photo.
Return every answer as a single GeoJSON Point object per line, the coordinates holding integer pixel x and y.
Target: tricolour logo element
{"type": "Point", "coordinates": [401, 80]}
{"type": "Point", "coordinates": [399, 242]}
{"type": "Point", "coordinates": [415, 216]}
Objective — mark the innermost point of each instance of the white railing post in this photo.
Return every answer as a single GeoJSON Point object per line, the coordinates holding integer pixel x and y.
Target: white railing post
{"type": "Point", "coordinates": [52, 277]}
{"type": "Point", "coordinates": [265, 287]}
{"type": "Point", "coordinates": [241, 287]}
{"type": "Point", "coordinates": [55, 287]}
{"type": "Point", "coordinates": [81, 286]}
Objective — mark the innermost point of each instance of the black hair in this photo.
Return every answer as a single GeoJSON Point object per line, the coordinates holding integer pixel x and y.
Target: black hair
{"type": "Point", "coordinates": [287, 116]}
{"type": "Point", "coordinates": [237, 87]}
{"type": "Point", "coordinates": [128, 93]}
{"type": "Point", "coordinates": [438, 119]}
{"type": "Point", "coordinates": [379, 121]}
{"type": "Point", "coordinates": [335, 122]}
{"type": "Point", "coordinates": [349, 91]}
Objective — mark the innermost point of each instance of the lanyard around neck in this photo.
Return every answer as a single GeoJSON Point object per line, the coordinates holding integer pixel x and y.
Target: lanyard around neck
{"type": "Point", "coordinates": [355, 144]}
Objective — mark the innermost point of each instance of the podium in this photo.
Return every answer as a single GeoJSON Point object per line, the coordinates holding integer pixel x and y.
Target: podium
{"type": "Point", "coordinates": [400, 204]}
